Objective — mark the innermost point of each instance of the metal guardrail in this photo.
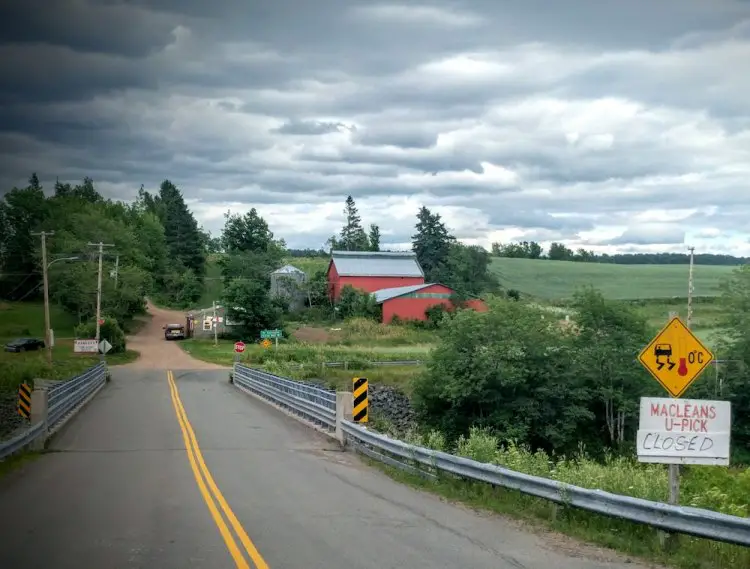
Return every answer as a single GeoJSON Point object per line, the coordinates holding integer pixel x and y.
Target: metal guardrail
{"type": "Point", "coordinates": [345, 364]}
{"type": "Point", "coordinates": [65, 397]}
{"type": "Point", "coordinates": [320, 406]}
{"type": "Point", "coordinates": [676, 519]}
{"type": "Point", "coordinates": [314, 403]}
{"type": "Point", "coordinates": [62, 400]}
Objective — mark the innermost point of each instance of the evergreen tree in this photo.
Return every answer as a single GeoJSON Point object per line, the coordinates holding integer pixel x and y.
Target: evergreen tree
{"type": "Point", "coordinates": [374, 237]}
{"type": "Point", "coordinates": [432, 244]}
{"type": "Point", "coordinates": [181, 231]}
{"type": "Point", "coordinates": [352, 236]}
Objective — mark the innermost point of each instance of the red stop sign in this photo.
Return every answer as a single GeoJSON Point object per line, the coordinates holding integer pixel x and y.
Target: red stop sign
{"type": "Point", "coordinates": [239, 347]}
{"type": "Point", "coordinates": [101, 321]}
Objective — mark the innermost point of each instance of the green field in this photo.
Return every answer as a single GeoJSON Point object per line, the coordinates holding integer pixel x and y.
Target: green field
{"type": "Point", "coordinates": [556, 280]}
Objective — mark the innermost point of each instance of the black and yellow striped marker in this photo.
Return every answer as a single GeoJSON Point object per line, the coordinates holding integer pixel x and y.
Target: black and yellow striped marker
{"type": "Point", "coordinates": [24, 400]}
{"type": "Point", "coordinates": [360, 400]}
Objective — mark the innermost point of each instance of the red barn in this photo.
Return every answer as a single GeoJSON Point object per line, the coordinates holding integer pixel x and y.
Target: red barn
{"type": "Point", "coordinates": [371, 271]}
{"type": "Point", "coordinates": [412, 302]}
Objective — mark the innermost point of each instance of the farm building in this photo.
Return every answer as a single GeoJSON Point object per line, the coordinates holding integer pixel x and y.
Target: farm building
{"type": "Point", "coordinates": [372, 271]}
{"type": "Point", "coordinates": [287, 282]}
{"type": "Point", "coordinates": [411, 302]}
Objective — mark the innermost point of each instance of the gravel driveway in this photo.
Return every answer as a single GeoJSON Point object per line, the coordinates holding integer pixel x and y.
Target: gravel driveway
{"type": "Point", "coordinates": [158, 353]}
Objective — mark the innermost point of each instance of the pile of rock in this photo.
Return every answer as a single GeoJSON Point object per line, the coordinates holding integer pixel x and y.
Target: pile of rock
{"type": "Point", "coordinates": [10, 420]}
{"type": "Point", "coordinates": [392, 405]}
{"type": "Point", "coordinates": [386, 402]}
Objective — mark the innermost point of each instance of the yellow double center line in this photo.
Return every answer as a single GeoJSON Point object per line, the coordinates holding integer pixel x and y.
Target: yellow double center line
{"type": "Point", "coordinates": [211, 493]}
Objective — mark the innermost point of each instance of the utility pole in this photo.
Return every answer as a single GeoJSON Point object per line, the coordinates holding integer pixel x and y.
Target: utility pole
{"type": "Point", "coordinates": [101, 247]}
{"type": "Point", "coordinates": [117, 270]}
{"type": "Point", "coordinates": [47, 335]}
{"type": "Point", "coordinates": [691, 289]}
{"type": "Point", "coordinates": [216, 327]}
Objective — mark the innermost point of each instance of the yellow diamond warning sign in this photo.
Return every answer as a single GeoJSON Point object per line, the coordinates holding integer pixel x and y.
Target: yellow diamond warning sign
{"type": "Point", "coordinates": [675, 357]}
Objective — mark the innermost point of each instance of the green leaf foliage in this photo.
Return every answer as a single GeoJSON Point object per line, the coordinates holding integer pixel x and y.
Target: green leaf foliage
{"type": "Point", "coordinates": [110, 330]}
{"type": "Point", "coordinates": [157, 248]}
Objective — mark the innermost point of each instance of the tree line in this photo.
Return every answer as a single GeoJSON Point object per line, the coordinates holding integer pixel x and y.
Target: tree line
{"type": "Point", "coordinates": [559, 252]}
{"type": "Point", "coordinates": [158, 248]}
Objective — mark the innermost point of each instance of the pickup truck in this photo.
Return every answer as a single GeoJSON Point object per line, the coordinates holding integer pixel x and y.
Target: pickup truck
{"type": "Point", "coordinates": [174, 332]}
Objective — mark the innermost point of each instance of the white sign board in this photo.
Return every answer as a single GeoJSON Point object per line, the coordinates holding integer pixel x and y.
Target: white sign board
{"type": "Point", "coordinates": [86, 347]}
{"type": "Point", "coordinates": [104, 346]}
{"type": "Point", "coordinates": [684, 431]}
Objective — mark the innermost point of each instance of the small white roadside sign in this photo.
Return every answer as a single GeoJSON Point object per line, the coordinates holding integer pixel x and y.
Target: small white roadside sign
{"type": "Point", "coordinates": [86, 346]}
{"type": "Point", "coordinates": [684, 431]}
{"type": "Point", "coordinates": [104, 346]}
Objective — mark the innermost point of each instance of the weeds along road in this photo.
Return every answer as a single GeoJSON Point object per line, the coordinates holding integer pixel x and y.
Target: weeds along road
{"type": "Point", "coordinates": [176, 469]}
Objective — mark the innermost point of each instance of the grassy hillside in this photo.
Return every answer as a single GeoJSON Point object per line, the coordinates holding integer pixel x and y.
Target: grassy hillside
{"type": "Point", "coordinates": [213, 285]}
{"type": "Point", "coordinates": [27, 319]}
{"type": "Point", "coordinates": [555, 280]}
{"type": "Point", "coordinates": [308, 264]}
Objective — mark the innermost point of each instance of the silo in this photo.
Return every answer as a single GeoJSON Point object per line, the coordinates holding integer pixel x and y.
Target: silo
{"type": "Point", "coordinates": [288, 282]}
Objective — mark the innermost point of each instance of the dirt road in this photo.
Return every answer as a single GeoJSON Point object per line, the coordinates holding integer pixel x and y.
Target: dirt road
{"type": "Point", "coordinates": [158, 353]}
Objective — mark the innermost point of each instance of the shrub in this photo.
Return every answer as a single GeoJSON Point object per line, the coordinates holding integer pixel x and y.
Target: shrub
{"type": "Point", "coordinates": [110, 331]}
{"type": "Point", "coordinates": [357, 303]}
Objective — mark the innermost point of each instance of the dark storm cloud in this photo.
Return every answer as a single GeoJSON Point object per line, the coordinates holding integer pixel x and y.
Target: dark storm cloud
{"type": "Point", "coordinates": [371, 104]}
{"type": "Point", "coordinates": [112, 28]}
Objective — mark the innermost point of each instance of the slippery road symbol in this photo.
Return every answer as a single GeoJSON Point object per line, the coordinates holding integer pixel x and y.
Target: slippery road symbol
{"type": "Point", "coordinates": [664, 351]}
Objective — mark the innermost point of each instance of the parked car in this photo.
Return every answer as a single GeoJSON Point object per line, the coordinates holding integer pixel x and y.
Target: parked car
{"type": "Point", "coordinates": [174, 332]}
{"type": "Point", "coordinates": [24, 345]}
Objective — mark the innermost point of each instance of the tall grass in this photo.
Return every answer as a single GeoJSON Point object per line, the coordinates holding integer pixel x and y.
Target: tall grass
{"type": "Point", "coordinates": [714, 488]}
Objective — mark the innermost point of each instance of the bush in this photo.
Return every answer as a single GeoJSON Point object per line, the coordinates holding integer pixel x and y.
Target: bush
{"type": "Point", "coordinates": [435, 315]}
{"type": "Point", "coordinates": [110, 331]}
{"type": "Point", "coordinates": [356, 303]}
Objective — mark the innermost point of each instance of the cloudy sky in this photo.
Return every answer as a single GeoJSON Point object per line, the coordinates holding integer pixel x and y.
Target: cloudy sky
{"type": "Point", "coordinates": [608, 124]}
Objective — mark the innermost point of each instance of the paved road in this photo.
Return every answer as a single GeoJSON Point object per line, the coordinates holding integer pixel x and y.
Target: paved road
{"type": "Point", "coordinates": [121, 491]}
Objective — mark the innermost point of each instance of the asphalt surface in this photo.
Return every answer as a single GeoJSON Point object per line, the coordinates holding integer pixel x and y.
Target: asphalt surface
{"type": "Point", "coordinates": [120, 491]}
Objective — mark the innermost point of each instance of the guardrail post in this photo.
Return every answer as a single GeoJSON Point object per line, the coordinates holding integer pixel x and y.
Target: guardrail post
{"type": "Point", "coordinates": [39, 409]}
{"type": "Point", "coordinates": [344, 410]}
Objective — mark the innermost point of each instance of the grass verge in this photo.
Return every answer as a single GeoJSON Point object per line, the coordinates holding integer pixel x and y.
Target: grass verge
{"type": "Point", "coordinates": [28, 366]}
{"type": "Point", "coordinates": [625, 537]}
{"type": "Point", "coordinates": [17, 461]}
{"type": "Point", "coordinates": [300, 353]}
{"type": "Point", "coordinates": [719, 489]}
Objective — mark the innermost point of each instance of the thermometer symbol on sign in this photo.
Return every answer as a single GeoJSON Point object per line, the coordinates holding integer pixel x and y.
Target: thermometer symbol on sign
{"type": "Point", "coordinates": [682, 370]}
